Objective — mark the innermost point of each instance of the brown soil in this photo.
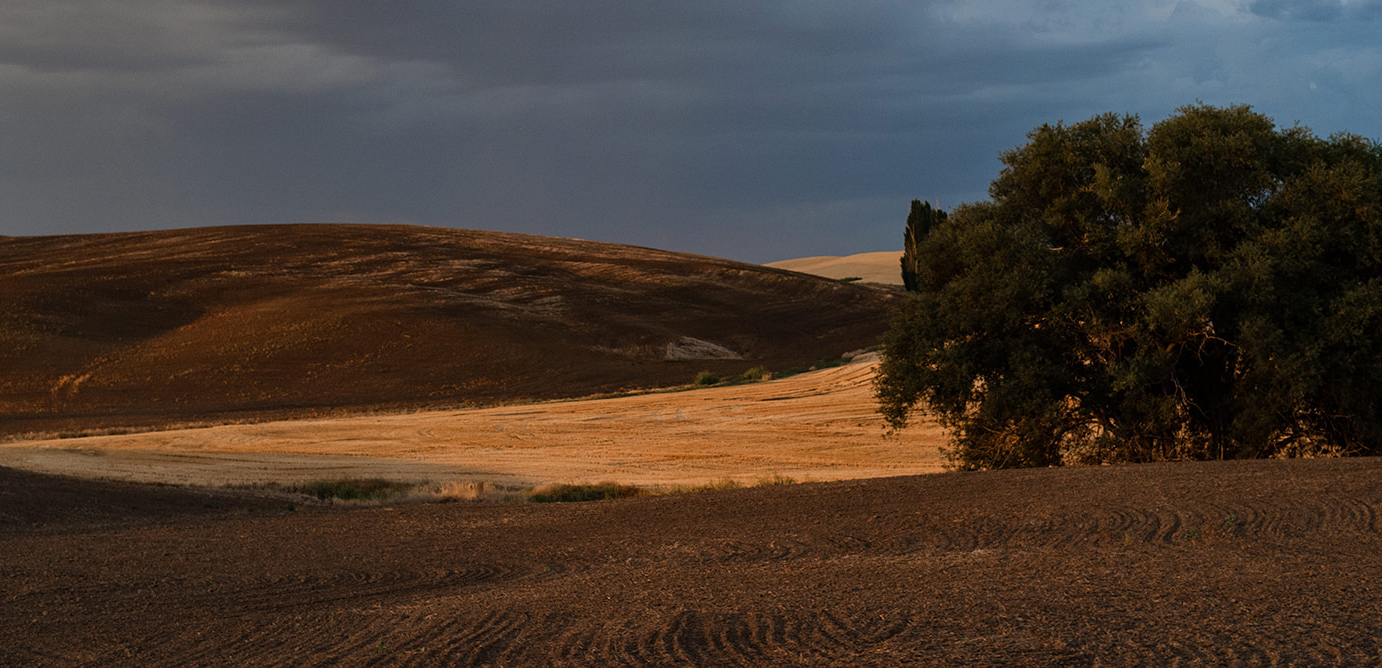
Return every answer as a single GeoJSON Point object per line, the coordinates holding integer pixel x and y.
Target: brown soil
{"type": "Point", "coordinates": [236, 323]}
{"type": "Point", "coordinates": [1238, 563]}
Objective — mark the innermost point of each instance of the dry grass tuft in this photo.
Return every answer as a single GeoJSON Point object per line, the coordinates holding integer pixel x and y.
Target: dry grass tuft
{"type": "Point", "coordinates": [774, 480]}
{"type": "Point", "coordinates": [469, 492]}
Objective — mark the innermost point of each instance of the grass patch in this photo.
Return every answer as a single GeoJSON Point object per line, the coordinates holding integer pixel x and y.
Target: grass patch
{"type": "Point", "coordinates": [753, 375]}
{"type": "Point", "coordinates": [728, 483]}
{"type": "Point", "coordinates": [578, 493]}
{"type": "Point", "coordinates": [470, 492]}
{"type": "Point", "coordinates": [775, 480]}
{"type": "Point", "coordinates": [822, 363]}
{"type": "Point", "coordinates": [366, 491]}
{"type": "Point", "coordinates": [724, 483]}
{"type": "Point", "coordinates": [363, 490]}
{"type": "Point", "coordinates": [377, 490]}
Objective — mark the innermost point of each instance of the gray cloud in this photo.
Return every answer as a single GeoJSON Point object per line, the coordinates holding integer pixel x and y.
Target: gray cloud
{"type": "Point", "coordinates": [751, 130]}
{"type": "Point", "coordinates": [1317, 10]}
{"type": "Point", "coordinates": [1306, 10]}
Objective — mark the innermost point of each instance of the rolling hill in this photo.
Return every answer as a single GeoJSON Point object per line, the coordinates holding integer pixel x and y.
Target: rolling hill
{"type": "Point", "coordinates": [884, 268]}
{"type": "Point", "coordinates": [213, 324]}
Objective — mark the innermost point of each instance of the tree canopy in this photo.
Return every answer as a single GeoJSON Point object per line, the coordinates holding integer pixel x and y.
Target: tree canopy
{"type": "Point", "coordinates": [1210, 288]}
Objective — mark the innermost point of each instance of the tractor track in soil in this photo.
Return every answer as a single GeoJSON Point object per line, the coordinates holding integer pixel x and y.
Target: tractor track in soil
{"type": "Point", "coordinates": [1253, 562]}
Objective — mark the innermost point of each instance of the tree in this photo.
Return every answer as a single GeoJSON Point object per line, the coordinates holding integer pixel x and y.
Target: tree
{"type": "Point", "coordinates": [1211, 288]}
{"type": "Point", "coordinates": [920, 220]}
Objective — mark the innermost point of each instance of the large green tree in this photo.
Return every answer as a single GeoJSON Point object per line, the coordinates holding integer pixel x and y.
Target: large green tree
{"type": "Point", "coordinates": [1211, 288]}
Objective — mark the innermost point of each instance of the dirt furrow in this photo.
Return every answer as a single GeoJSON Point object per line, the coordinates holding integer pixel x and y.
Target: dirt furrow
{"type": "Point", "coordinates": [1113, 565]}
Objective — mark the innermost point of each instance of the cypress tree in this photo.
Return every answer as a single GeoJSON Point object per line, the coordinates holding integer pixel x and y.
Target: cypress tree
{"type": "Point", "coordinates": [921, 219]}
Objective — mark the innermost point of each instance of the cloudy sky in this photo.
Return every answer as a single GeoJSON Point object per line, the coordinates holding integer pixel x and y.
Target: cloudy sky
{"type": "Point", "coordinates": [757, 131]}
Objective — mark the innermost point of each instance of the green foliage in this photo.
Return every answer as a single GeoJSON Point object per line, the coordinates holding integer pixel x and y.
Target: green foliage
{"type": "Point", "coordinates": [752, 375]}
{"type": "Point", "coordinates": [577, 493]}
{"type": "Point", "coordinates": [1211, 288]}
{"type": "Point", "coordinates": [707, 378]}
{"type": "Point", "coordinates": [921, 219]}
{"type": "Point", "coordinates": [755, 374]}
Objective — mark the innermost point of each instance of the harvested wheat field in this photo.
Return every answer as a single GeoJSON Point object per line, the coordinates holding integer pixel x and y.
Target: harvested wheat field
{"type": "Point", "coordinates": [820, 425]}
{"type": "Point", "coordinates": [883, 267]}
{"type": "Point", "coordinates": [1237, 563]}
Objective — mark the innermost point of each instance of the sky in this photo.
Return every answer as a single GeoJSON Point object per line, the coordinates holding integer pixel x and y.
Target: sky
{"type": "Point", "coordinates": [756, 131]}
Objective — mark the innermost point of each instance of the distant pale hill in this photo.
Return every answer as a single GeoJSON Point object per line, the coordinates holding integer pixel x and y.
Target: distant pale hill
{"type": "Point", "coordinates": [155, 328]}
{"type": "Point", "coordinates": [884, 267]}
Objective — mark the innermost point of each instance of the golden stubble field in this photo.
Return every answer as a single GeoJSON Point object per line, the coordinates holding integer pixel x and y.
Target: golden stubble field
{"type": "Point", "coordinates": [816, 426]}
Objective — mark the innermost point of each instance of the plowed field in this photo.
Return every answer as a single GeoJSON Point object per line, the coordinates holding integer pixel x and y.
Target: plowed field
{"type": "Point", "coordinates": [1238, 563]}
{"type": "Point", "coordinates": [228, 324]}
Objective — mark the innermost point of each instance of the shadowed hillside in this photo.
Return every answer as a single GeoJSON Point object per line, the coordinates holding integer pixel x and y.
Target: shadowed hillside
{"type": "Point", "coordinates": [150, 328]}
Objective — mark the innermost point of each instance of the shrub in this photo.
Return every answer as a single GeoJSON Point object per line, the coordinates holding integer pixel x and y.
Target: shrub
{"type": "Point", "coordinates": [707, 378]}
{"type": "Point", "coordinates": [755, 374]}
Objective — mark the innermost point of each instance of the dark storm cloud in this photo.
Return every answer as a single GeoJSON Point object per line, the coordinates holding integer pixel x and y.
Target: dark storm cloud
{"type": "Point", "coordinates": [752, 130]}
{"type": "Point", "coordinates": [1308, 10]}
{"type": "Point", "coordinates": [1317, 10]}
